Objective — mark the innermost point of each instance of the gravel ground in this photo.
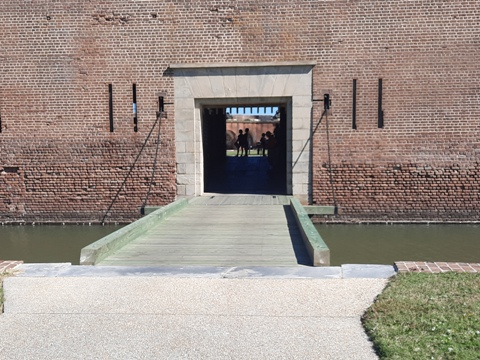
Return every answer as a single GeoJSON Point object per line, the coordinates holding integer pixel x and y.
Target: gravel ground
{"type": "Point", "coordinates": [174, 317]}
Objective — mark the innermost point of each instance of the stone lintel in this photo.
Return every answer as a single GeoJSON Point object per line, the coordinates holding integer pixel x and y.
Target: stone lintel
{"type": "Point", "coordinates": [244, 64]}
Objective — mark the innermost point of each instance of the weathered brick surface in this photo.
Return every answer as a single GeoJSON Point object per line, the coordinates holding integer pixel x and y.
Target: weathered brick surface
{"type": "Point", "coordinates": [58, 57]}
{"type": "Point", "coordinates": [8, 266]}
{"type": "Point", "coordinates": [402, 192]}
{"type": "Point", "coordinates": [436, 267]}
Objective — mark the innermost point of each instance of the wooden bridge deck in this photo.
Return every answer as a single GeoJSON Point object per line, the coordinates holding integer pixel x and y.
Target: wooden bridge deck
{"type": "Point", "coordinates": [221, 230]}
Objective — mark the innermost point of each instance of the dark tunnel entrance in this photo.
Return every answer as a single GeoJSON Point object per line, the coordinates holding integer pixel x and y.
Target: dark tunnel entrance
{"type": "Point", "coordinates": [227, 173]}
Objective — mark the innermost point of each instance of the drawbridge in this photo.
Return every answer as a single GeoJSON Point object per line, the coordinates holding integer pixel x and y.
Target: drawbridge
{"type": "Point", "coordinates": [215, 230]}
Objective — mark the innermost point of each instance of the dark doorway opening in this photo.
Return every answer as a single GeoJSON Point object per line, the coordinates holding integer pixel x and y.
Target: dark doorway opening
{"type": "Point", "coordinates": [224, 172]}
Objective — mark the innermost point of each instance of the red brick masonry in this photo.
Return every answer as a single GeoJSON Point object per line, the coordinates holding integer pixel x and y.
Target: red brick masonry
{"type": "Point", "coordinates": [413, 156]}
{"type": "Point", "coordinates": [436, 267]}
{"type": "Point", "coordinates": [8, 266]}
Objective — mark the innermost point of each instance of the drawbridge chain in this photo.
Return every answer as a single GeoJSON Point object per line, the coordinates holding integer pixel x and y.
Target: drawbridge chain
{"type": "Point", "coordinates": [327, 102]}
{"type": "Point", "coordinates": [159, 116]}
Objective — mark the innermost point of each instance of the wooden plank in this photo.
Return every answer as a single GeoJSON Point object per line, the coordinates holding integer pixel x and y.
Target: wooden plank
{"type": "Point", "coordinates": [220, 230]}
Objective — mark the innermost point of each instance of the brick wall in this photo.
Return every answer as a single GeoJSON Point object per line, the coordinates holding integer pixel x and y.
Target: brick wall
{"type": "Point", "coordinates": [255, 130]}
{"type": "Point", "coordinates": [60, 162]}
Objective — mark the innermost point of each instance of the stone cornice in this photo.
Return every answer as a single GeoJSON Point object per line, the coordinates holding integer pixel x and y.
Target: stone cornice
{"type": "Point", "coordinates": [241, 65]}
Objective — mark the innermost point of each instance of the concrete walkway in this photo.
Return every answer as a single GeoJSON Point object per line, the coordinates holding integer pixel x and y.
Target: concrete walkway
{"type": "Point", "coordinates": [59, 311]}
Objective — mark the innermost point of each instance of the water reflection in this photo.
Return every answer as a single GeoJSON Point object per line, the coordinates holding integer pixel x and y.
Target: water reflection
{"type": "Point", "coordinates": [349, 244]}
{"type": "Point", "coordinates": [385, 244]}
{"type": "Point", "coordinates": [49, 243]}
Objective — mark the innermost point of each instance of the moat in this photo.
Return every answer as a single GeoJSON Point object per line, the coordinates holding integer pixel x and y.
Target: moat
{"type": "Point", "coordinates": [385, 244]}
{"type": "Point", "coordinates": [49, 243]}
{"type": "Point", "coordinates": [349, 244]}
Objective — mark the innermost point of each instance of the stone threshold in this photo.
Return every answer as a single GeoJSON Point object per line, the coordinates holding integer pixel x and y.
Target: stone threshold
{"type": "Point", "coordinates": [399, 266]}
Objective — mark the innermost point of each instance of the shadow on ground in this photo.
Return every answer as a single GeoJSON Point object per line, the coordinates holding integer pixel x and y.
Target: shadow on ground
{"type": "Point", "coordinates": [244, 175]}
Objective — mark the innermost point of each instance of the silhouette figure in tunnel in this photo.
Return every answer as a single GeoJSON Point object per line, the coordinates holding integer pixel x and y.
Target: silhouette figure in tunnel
{"type": "Point", "coordinates": [238, 143]}
{"type": "Point", "coordinates": [272, 146]}
{"type": "Point", "coordinates": [244, 144]}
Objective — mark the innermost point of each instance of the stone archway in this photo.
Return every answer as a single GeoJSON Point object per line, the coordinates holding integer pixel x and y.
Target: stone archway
{"type": "Point", "coordinates": [243, 84]}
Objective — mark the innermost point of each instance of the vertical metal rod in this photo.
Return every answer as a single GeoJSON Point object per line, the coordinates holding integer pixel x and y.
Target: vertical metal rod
{"type": "Point", "coordinates": [354, 104]}
{"type": "Point", "coordinates": [110, 105]}
{"type": "Point", "coordinates": [330, 162]}
{"type": "Point", "coordinates": [380, 111]}
{"type": "Point", "coordinates": [135, 119]}
{"type": "Point", "coordinates": [160, 104]}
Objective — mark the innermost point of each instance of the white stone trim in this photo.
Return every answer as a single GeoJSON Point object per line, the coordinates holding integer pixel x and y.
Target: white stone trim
{"type": "Point", "coordinates": [197, 85]}
{"type": "Point", "coordinates": [239, 65]}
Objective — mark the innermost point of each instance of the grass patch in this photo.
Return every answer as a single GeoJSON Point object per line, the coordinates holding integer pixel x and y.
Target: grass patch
{"type": "Point", "coordinates": [1, 292]}
{"type": "Point", "coordinates": [427, 316]}
{"type": "Point", "coordinates": [2, 298]}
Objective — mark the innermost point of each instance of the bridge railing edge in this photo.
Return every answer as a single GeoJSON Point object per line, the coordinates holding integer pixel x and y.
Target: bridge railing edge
{"type": "Point", "coordinates": [316, 247]}
{"type": "Point", "coordinates": [94, 253]}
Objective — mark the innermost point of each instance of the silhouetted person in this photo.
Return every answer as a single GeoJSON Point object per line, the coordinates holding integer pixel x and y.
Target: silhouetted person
{"type": "Point", "coordinates": [272, 147]}
{"type": "Point", "coordinates": [277, 132]}
{"type": "Point", "coordinates": [244, 143]}
{"type": "Point", "coordinates": [263, 143]}
{"type": "Point", "coordinates": [238, 143]}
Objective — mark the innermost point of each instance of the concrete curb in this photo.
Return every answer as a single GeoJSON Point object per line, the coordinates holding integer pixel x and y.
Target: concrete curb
{"type": "Point", "coordinates": [99, 250]}
{"type": "Point", "coordinates": [346, 271]}
{"type": "Point", "coordinates": [316, 247]}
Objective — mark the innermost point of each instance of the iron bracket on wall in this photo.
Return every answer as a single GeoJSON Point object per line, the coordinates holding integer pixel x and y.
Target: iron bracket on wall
{"type": "Point", "coordinates": [327, 101]}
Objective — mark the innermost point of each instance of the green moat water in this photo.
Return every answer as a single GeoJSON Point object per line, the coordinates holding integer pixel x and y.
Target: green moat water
{"type": "Point", "coordinates": [385, 244]}
{"type": "Point", "coordinates": [349, 244]}
{"type": "Point", "coordinates": [49, 243]}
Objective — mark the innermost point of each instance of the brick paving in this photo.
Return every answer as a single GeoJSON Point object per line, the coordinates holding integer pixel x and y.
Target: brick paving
{"type": "Point", "coordinates": [436, 267]}
{"type": "Point", "coordinates": [8, 266]}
